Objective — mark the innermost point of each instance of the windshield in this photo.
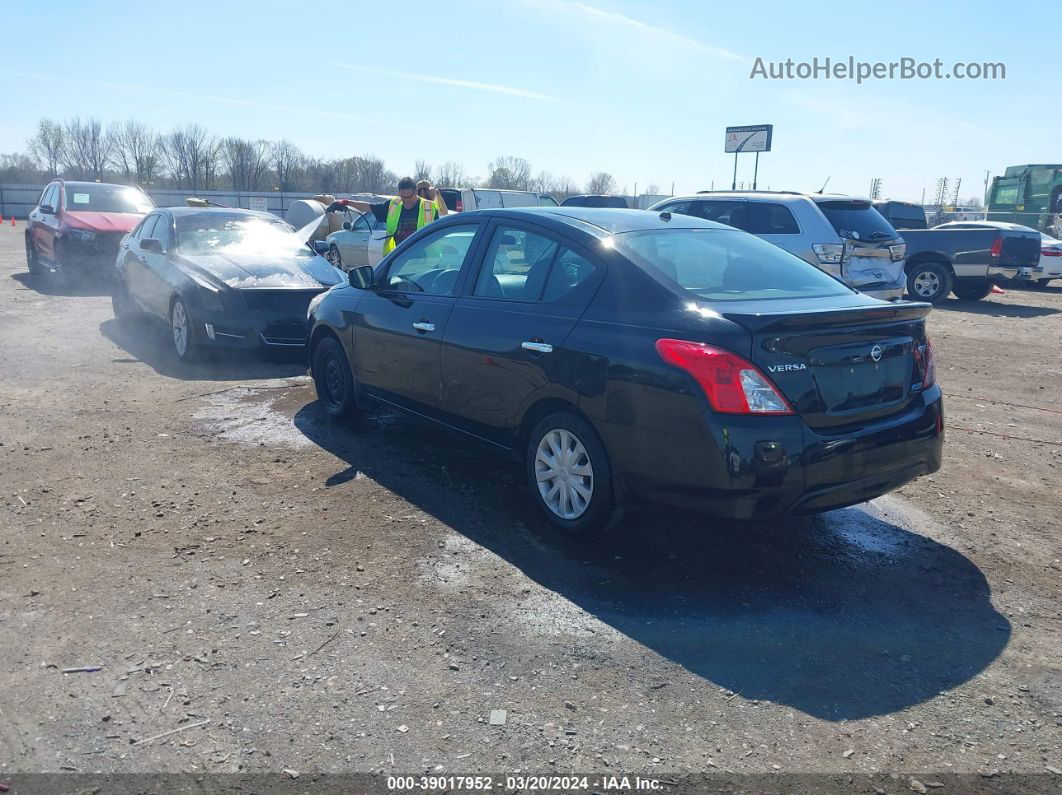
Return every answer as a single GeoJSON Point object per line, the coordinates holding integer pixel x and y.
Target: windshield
{"type": "Point", "coordinates": [724, 265]}
{"type": "Point", "coordinates": [236, 234]}
{"type": "Point", "coordinates": [857, 220]}
{"type": "Point", "coordinates": [106, 199]}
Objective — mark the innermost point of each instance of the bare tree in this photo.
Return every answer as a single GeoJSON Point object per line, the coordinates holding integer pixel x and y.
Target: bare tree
{"type": "Point", "coordinates": [421, 170]}
{"type": "Point", "coordinates": [509, 173]}
{"type": "Point", "coordinates": [46, 146]}
{"type": "Point", "coordinates": [543, 182]}
{"type": "Point", "coordinates": [373, 176]}
{"type": "Point", "coordinates": [87, 148]}
{"type": "Point", "coordinates": [136, 151]}
{"type": "Point", "coordinates": [601, 182]}
{"type": "Point", "coordinates": [286, 160]}
{"type": "Point", "coordinates": [564, 188]}
{"type": "Point", "coordinates": [652, 189]}
{"type": "Point", "coordinates": [190, 153]}
{"type": "Point", "coordinates": [19, 167]}
{"type": "Point", "coordinates": [451, 175]}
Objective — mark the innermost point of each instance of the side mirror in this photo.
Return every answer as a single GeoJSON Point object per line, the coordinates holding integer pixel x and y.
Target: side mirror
{"type": "Point", "coordinates": [152, 244]}
{"type": "Point", "coordinates": [47, 209]}
{"type": "Point", "coordinates": [320, 247]}
{"type": "Point", "coordinates": [361, 278]}
{"type": "Point", "coordinates": [346, 225]}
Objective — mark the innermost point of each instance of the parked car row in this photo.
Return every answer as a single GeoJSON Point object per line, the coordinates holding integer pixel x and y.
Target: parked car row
{"type": "Point", "coordinates": [621, 355]}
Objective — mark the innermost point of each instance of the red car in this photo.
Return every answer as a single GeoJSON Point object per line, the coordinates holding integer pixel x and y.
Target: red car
{"type": "Point", "coordinates": [76, 227]}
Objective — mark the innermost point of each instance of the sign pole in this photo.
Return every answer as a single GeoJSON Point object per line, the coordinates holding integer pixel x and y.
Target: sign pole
{"type": "Point", "coordinates": [733, 184]}
{"type": "Point", "coordinates": [756, 170]}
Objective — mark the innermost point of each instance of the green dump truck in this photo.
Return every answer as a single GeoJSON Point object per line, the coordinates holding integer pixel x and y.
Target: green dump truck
{"type": "Point", "coordinates": [1029, 195]}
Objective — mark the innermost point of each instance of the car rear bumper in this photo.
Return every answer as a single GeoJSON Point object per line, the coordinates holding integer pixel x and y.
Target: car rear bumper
{"type": "Point", "coordinates": [739, 467]}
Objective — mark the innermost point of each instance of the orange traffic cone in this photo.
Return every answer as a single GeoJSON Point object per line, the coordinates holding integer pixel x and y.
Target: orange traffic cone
{"type": "Point", "coordinates": [996, 289]}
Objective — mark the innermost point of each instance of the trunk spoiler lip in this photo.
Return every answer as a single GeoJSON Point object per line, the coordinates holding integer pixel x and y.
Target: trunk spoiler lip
{"type": "Point", "coordinates": [838, 316]}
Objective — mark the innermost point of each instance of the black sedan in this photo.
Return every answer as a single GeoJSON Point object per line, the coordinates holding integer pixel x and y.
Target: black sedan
{"type": "Point", "coordinates": [220, 278]}
{"type": "Point", "coordinates": [625, 354]}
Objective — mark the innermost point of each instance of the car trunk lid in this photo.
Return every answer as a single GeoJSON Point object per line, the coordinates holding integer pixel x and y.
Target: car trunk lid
{"type": "Point", "coordinates": [839, 366]}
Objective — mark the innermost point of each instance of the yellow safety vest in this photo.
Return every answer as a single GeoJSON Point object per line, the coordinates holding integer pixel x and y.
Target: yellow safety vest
{"type": "Point", "coordinates": [428, 211]}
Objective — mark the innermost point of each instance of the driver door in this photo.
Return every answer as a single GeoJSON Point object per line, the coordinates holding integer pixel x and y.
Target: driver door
{"type": "Point", "coordinates": [354, 242]}
{"type": "Point", "coordinates": [399, 325]}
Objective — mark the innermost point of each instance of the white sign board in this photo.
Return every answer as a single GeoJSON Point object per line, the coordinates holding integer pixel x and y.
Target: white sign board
{"type": "Point", "coordinates": [259, 203]}
{"type": "Point", "coordinates": [751, 138]}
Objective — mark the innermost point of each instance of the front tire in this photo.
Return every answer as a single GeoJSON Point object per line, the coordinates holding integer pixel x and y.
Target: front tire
{"type": "Point", "coordinates": [929, 281]}
{"type": "Point", "coordinates": [33, 259]}
{"type": "Point", "coordinates": [182, 332]}
{"type": "Point", "coordinates": [972, 289]}
{"type": "Point", "coordinates": [569, 473]}
{"type": "Point", "coordinates": [334, 256]}
{"type": "Point", "coordinates": [334, 380]}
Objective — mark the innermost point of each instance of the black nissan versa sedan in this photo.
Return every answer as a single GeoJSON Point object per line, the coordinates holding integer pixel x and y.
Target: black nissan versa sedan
{"type": "Point", "coordinates": [625, 354]}
{"type": "Point", "coordinates": [220, 278]}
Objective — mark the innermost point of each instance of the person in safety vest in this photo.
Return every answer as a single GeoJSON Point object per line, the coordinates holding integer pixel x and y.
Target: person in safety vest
{"type": "Point", "coordinates": [404, 214]}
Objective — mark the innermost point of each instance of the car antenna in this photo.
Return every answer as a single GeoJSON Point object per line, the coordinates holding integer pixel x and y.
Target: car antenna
{"type": "Point", "coordinates": [824, 184]}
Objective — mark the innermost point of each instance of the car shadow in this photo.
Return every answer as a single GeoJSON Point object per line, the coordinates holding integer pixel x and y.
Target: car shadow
{"type": "Point", "coordinates": [149, 342]}
{"type": "Point", "coordinates": [995, 308]}
{"type": "Point", "coordinates": [844, 616]}
{"type": "Point", "coordinates": [51, 283]}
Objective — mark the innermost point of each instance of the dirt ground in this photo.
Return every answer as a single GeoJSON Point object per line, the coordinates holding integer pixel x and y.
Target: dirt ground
{"type": "Point", "coordinates": [285, 595]}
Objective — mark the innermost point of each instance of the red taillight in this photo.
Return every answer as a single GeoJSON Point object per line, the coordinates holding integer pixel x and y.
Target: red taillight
{"type": "Point", "coordinates": [460, 206]}
{"type": "Point", "coordinates": [926, 363]}
{"type": "Point", "coordinates": [1051, 252]}
{"type": "Point", "coordinates": [997, 247]}
{"type": "Point", "coordinates": [731, 384]}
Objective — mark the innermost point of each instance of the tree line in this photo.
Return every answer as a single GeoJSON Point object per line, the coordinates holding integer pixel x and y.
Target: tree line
{"type": "Point", "coordinates": [191, 157]}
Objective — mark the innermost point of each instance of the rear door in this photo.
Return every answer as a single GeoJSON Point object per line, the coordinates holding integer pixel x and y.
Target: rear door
{"type": "Point", "coordinates": [399, 325]}
{"type": "Point", "coordinates": [504, 342]}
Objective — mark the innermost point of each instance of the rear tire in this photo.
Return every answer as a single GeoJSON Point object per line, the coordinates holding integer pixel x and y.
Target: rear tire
{"type": "Point", "coordinates": [121, 304]}
{"type": "Point", "coordinates": [182, 332]}
{"type": "Point", "coordinates": [972, 289]}
{"type": "Point", "coordinates": [334, 380]}
{"type": "Point", "coordinates": [929, 281]}
{"type": "Point", "coordinates": [33, 259]}
{"type": "Point", "coordinates": [569, 473]}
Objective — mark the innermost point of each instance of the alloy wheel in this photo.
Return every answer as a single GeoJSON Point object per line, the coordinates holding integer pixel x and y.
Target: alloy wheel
{"type": "Point", "coordinates": [179, 323]}
{"type": "Point", "coordinates": [564, 473]}
{"type": "Point", "coordinates": [926, 284]}
{"type": "Point", "coordinates": [334, 256]}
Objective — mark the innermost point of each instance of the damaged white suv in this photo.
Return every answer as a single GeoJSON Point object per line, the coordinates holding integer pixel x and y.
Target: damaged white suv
{"type": "Point", "coordinates": [842, 235]}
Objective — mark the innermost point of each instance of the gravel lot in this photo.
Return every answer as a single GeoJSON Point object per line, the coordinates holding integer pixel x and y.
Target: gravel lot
{"type": "Point", "coordinates": [361, 598]}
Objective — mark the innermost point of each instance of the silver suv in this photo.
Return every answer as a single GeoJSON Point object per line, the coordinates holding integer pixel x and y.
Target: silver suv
{"type": "Point", "coordinates": [842, 235]}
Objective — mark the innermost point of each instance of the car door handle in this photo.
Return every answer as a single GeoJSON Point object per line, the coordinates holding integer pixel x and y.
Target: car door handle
{"type": "Point", "coordinates": [424, 326]}
{"type": "Point", "coordinates": [537, 346]}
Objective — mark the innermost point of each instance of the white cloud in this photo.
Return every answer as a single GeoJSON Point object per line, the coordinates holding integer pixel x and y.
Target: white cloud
{"type": "Point", "coordinates": [600, 15]}
{"type": "Point", "coordinates": [496, 88]}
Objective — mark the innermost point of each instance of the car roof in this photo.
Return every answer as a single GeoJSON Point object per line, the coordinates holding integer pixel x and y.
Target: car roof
{"type": "Point", "coordinates": [180, 212]}
{"type": "Point", "coordinates": [773, 195]}
{"type": "Point", "coordinates": [84, 183]}
{"type": "Point", "coordinates": [603, 221]}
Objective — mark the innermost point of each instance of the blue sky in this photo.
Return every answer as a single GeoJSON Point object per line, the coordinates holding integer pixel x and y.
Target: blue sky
{"type": "Point", "coordinates": [641, 90]}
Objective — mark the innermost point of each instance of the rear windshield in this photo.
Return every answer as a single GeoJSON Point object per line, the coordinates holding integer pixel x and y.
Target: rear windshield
{"type": "Point", "coordinates": [857, 220]}
{"type": "Point", "coordinates": [724, 265]}
{"type": "Point", "coordinates": [907, 216]}
{"type": "Point", "coordinates": [106, 199]}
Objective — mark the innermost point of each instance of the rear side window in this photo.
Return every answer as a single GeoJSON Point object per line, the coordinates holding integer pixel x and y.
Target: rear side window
{"type": "Point", "coordinates": [516, 265]}
{"type": "Point", "coordinates": [730, 213]}
{"type": "Point", "coordinates": [681, 208]}
{"type": "Point", "coordinates": [770, 218]}
{"type": "Point", "coordinates": [857, 220]}
{"type": "Point", "coordinates": [569, 272]}
{"type": "Point", "coordinates": [725, 265]}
